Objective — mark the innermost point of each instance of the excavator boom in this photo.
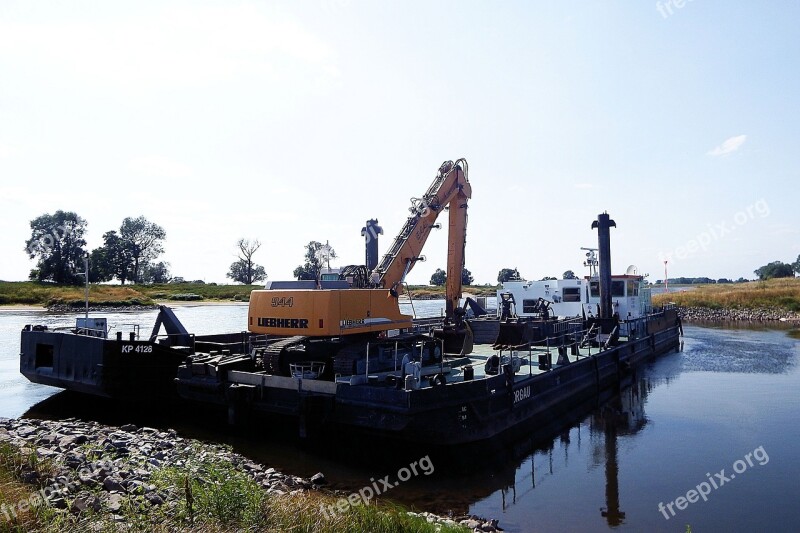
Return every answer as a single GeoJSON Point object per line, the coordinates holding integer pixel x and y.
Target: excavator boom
{"type": "Point", "coordinates": [450, 188]}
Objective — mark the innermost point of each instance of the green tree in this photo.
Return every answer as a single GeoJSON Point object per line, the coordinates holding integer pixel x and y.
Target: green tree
{"type": "Point", "coordinates": [101, 267]}
{"type": "Point", "coordinates": [508, 274]}
{"type": "Point", "coordinates": [245, 270]}
{"type": "Point", "coordinates": [114, 259]}
{"type": "Point", "coordinates": [466, 277]}
{"type": "Point", "coordinates": [142, 239]}
{"type": "Point", "coordinates": [439, 277]}
{"type": "Point", "coordinates": [796, 265]}
{"type": "Point", "coordinates": [569, 274]}
{"type": "Point", "coordinates": [57, 243]}
{"type": "Point", "coordinates": [155, 273]}
{"type": "Point", "coordinates": [776, 269]}
{"type": "Point", "coordinates": [316, 256]}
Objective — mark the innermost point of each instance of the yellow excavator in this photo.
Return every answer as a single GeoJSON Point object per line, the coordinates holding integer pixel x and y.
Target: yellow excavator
{"type": "Point", "coordinates": [340, 322]}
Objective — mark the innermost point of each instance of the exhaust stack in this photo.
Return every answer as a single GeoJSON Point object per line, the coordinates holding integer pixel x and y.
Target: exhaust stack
{"type": "Point", "coordinates": [604, 225]}
{"type": "Point", "coordinates": [370, 233]}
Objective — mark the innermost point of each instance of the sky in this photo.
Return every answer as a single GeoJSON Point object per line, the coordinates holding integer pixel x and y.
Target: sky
{"type": "Point", "coordinates": [288, 122]}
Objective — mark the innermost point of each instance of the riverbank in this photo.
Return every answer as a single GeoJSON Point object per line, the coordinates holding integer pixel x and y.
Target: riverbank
{"type": "Point", "coordinates": [30, 295]}
{"type": "Point", "coordinates": [71, 475]}
{"type": "Point", "coordinates": [771, 300]}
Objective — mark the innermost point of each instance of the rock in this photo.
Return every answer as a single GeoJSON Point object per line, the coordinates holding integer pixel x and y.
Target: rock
{"type": "Point", "coordinates": [58, 503]}
{"type": "Point", "coordinates": [487, 528]}
{"type": "Point", "coordinates": [319, 479]}
{"type": "Point", "coordinates": [130, 428]}
{"type": "Point", "coordinates": [471, 523]}
{"type": "Point", "coordinates": [112, 484]}
{"type": "Point", "coordinates": [71, 441]}
{"type": "Point", "coordinates": [79, 505]}
{"type": "Point", "coordinates": [154, 498]}
{"type": "Point", "coordinates": [115, 502]}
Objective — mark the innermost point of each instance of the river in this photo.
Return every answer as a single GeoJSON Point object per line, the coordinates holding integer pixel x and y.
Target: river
{"type": "Point", "coordinates": [706, 436]}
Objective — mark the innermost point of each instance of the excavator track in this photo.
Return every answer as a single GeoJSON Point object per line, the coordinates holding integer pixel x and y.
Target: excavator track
{"type": "Point", "coordinates": [273, 352]}
{"type": "Point", "coordinates": [344, 363]}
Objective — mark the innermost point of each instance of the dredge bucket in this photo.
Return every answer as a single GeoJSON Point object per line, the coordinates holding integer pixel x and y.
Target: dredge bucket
{"type": "Point", "coordinates": [514, 334]}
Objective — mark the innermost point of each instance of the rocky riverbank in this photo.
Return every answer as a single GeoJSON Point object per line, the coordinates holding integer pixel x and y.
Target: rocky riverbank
{"type": "Point", "coordinates": [761, 314]}
{"type": "Point", "coordinates": [85, 475]}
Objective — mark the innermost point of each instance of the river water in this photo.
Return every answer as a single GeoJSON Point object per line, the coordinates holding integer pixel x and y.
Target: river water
{"type": "Point", "coordinates": [718, 418]}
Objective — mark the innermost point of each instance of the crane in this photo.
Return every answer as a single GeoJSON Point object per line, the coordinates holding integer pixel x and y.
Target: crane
{"type": "Point", "coordinates": [325, 320]}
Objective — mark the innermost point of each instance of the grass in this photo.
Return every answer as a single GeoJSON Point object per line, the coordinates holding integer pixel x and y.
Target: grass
{"type": "Point", "coordinates": [781, 293]}
{"type": "Point", "coordinates": [208, 495]}
{"type": "Point", "coordinates": [433, 291]}
{"type": "Point", "coordinates": [48, 294]}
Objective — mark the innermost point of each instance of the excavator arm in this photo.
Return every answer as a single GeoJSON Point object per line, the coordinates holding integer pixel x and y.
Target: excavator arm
{"type": "Point", "coordinates": [450, 188]}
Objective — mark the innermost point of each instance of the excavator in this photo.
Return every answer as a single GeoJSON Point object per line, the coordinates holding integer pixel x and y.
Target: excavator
{"type": "Point", "coordinates": [345, 324]}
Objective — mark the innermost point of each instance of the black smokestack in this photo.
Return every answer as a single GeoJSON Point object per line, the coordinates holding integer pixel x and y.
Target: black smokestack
{"type": "Point", "coordinates": [370, 233]}
{"type": "Point", "coordinates": [604, 225]}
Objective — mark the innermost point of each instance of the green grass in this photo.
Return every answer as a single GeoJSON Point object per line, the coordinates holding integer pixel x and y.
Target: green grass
{"type": "Point", "coordinates": [47, 294]}
{"type": "Point", "coordinates": [206, 495]}
{"type": "Point", "coordinates": [782, 293]}
{"type": "Point", "coordinates": [433, 291]}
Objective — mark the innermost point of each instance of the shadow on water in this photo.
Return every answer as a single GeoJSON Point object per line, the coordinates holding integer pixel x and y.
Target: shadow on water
{"type": "Point", "coordinates": [460, 476]}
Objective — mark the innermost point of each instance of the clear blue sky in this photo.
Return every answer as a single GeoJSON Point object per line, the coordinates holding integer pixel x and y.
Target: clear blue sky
{"type": "Point", "coordinates": [293, 121]}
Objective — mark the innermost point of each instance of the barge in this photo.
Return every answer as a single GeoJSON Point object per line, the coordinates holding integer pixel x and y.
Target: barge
{"type": "Point", "coordinates": [406, 382]}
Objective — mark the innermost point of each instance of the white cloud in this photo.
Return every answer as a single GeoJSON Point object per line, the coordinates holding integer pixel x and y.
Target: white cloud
{"type": "Point", "coordinates": [583, 186]}
{"type": "Point", "coordinates": [729, 146]}
{"type": "Point", "coordinates": [160, 167]}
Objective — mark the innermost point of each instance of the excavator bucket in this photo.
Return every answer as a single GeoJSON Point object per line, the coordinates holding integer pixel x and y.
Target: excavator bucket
{"type": "Point", "coordinates": [514, 334]}
{"type": "Point", "coordinates": [457, 340]}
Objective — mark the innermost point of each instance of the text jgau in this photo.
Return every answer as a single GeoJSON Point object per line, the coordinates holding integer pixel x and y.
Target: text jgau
{"type": "Point", "coordinates": [522, 394]}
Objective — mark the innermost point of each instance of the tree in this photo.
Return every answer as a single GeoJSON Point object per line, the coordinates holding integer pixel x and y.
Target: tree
{"type": "Point", "coordinates": [315, 258]}
{"type": "Point", "coordinates": [508, 274]}
{"type": "Point", "coordinates": [466, 277]}
{"type": "Point", "coordinates": [57, 241]}
{"type": "Point", "coordinates": [569, 274]}
{"type": "Point", "coordinates": [113, 260]}
{"type": "Point", "coordinates": [101, 267]}
{"type": "Point", "coordinates": [548, 278]}
{"type": "Point", "coordinates": [245, 270]}
{"type": "Point", "coordinates": [155, 273]}
{"type": "Point", "coordinates": [776, 269]}
{"type": "Point", "coordinates": [142, 239]}
{"type": "Point", "coordinates": [796, 265]}
{"type": "Point", "coordinates": [439, 277]}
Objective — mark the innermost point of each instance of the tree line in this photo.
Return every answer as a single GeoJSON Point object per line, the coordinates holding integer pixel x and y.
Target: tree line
{"type": "Point", "coordinates": [129, 254]}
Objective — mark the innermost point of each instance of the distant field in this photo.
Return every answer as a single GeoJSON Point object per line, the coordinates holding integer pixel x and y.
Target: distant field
{"type": "Point", "coordinates": [47, 294]}
{"type": "Point", "coordinates": [781, 293]}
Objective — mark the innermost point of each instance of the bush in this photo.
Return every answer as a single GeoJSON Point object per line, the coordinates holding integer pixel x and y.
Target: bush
{"type": "Point", "coordinates": [188, 297]}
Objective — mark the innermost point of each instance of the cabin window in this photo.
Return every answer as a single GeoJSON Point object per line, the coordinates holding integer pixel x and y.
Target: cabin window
{"type": "Point", "coordinates": [530, 306]}
{"type": "Point", "coordinates": [618, 287]}
{"type": "Point", "coordinates": [595, 288]}
{"type": "Point", "coordinates": [633, 288]}
{"type": "Point", "coordinates": [571, 294]}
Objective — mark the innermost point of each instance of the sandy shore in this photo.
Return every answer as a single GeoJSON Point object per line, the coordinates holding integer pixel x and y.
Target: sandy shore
{"type": "Point", "coordinates": [17, 308]}
{"type": "Point", "coordinates": [24, 308]}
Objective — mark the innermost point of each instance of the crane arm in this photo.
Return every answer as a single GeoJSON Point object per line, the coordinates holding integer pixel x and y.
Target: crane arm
{"type": "Point", "coordinates": [450, 187]}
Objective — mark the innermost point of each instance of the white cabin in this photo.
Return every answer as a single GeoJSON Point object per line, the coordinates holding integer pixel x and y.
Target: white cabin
{"type": "Point", "coordinates": [630, 296]}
